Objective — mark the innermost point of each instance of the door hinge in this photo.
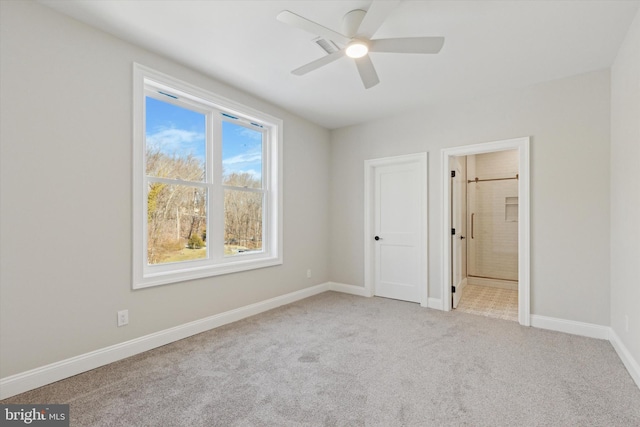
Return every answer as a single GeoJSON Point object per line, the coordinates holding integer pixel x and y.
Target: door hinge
{"type": "Point", "coordinates": [453, 231]}
{"type": "Point", "coordinates": [453, 174]}
{"type": "Point", "coordinates": [453, 289]}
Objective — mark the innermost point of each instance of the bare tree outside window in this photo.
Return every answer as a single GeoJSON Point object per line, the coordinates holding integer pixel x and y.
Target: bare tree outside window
{"type": "Point", "coordinates": [243, 195]}
{"type": "Point", "coordinates": [176, 213]}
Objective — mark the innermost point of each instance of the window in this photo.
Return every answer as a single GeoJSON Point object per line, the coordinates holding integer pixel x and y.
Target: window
{"type": "Point", "coordinates": [207, 183]}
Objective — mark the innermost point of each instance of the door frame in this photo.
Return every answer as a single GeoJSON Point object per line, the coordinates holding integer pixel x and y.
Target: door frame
{"type": "Point", "coordinates": [524, 256]}
{"type": "Point", "coordinates": [369, 224]}
{"type": "Point", "coordinates": [461, 231]}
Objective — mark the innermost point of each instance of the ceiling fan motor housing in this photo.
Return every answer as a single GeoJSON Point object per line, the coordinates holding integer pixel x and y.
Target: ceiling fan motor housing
{"type": "Point", "coordinates": [351, 22]}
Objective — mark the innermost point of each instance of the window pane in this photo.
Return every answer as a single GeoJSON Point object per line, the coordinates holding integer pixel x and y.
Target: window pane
{"type": "Point", "coordinates": [175, 141]}
{"type": "Point", "coordinates": [242, 222]}
{"type": "Point", "coordinates": [241, 156]}
{"type": "Point", "coordinates": [176, 223]}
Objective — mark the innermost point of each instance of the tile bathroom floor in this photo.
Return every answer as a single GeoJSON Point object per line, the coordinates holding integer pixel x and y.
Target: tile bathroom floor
{"type": "Point", "coordinates": [490, 302]}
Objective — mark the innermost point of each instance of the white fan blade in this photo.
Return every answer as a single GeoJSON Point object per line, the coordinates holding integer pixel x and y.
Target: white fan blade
{"type": "Point", "coordinates": [367, 72]}
{"type": "Point", "coordinates": [311, 27]}
{"type": "Point", "coordinates": [376, 15]}
{"type": "Point", "coordinates": [314, 65]}
{"type": "Point", "coordinates": [407, 45]}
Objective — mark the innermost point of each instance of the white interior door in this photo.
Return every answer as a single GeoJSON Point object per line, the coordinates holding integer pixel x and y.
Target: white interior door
{"type": "Point", "coordinates": [398, 217]}
{"type": "Point", "coordinates": [457, 227]}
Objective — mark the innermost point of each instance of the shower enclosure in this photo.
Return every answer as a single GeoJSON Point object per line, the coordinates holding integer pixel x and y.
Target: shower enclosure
{"type": "Point", "coordinates": [492, 219]}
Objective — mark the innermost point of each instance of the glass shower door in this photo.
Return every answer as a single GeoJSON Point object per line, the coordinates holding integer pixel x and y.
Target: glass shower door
{"type": "Point", "coordinates": [493, 216]}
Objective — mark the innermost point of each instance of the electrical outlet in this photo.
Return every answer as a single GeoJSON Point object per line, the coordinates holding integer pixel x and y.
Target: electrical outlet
{"type": "Point", "coordinates": [123, 317]}
{"type": "Point", "coordinates": [309, 274]}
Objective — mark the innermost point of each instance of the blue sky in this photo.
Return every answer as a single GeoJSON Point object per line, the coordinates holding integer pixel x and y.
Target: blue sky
{"type": "Point", "coordinates": [241, 149]}
{"type": "Point", "coordinates": [178, 131]}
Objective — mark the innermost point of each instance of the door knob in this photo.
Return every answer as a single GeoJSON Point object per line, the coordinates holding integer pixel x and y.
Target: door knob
{"type": "Point", "coordinates": [462, 237]}
{"type": "Point", "coordinates": [377, 237]}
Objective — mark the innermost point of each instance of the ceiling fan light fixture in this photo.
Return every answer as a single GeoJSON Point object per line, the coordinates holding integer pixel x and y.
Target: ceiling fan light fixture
{"type": "Point", "coordinates": [357, 49]}
{"type": "Point", "coordinates": [355, 40]}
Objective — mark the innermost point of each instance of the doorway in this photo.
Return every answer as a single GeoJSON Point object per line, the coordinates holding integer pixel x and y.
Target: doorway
{"type": "Point", "coordinates": [487, 203]}
{"type": "Point", "coordinates": [396, 227]}
{"type": "Point", "coordinates": [516, 212]}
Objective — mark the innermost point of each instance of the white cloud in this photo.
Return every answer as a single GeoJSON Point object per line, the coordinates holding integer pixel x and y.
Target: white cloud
{"type": "Point", "coordinates": [250, 162]}
{"type": "Point", "coordinates": [244, 158]}
{"type": "Point", "coordinates": [254, 174]}
{"type": "Point", "coordinates": [250, 133]}
{"type": "Point", "coordinates": [177, 141]}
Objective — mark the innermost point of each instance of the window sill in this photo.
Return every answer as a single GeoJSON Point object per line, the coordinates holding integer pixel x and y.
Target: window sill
{"type": "Point", "coordinates": [166, 278]}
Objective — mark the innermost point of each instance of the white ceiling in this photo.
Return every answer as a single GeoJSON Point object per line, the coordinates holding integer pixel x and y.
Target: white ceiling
{"type": "Point", "coordinates": [490, 46]}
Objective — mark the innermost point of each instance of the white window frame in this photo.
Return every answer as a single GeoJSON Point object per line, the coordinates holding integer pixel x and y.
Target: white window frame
{"type": "Point", "coordinates": [216, 263]}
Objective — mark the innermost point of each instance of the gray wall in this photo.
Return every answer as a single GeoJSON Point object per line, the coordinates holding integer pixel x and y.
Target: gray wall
{"type": "Point", "coordinates": [625, 191]}
{"type": "Point", "coordinates": [568, 121]}
{"type": "Point", "coordinates": [66, 170]}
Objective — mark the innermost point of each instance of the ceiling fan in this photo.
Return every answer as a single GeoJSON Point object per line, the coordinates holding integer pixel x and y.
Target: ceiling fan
{"type": "Point", "coordinates": [358, 26]}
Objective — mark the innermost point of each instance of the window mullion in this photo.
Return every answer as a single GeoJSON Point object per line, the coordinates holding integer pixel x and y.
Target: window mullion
{"type": "Point", "coordinates": [150, 178]}
{"type": "Point", "coordinates": [216, 201]}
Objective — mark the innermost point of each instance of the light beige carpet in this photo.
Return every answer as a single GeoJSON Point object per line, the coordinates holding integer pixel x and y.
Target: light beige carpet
{"type": "Point", "coordinates": [342, 360]}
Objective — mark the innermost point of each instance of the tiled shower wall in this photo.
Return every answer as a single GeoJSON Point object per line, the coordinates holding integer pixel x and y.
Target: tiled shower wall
{"type": "Point", "coordinates": [492, 248]}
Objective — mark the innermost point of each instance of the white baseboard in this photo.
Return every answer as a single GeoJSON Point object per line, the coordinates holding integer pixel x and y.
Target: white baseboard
{"type": "Point", "coordinates": [592, 331]}
{"type": "Point", "coordinates": [627, 359]}
{"type": "Point", "coordinates": [435, 303]}
{"type": "Point", "coordinates": [570, 327]}
{"type": "Point", "coordinates": [38, 377]}
{"type": "Point", "coordinates": [349, 289]}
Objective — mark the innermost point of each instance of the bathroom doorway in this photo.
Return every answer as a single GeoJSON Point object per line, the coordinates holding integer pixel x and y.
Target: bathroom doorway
{"type": "Point", "coordinates": [486, 267]}
{"type": "Point", "coordinates": [490, 209]}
